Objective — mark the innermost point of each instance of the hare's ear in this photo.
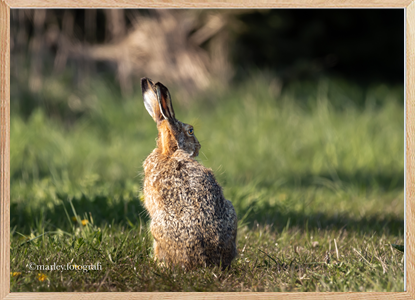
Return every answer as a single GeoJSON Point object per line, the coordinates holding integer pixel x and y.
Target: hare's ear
{"type": "Point", "coordinates": [150, 99]}
{"type": "Point", "coordinates": [164, 99]}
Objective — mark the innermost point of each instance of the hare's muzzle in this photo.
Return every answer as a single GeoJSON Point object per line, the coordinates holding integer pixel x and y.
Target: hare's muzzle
{"type": "Point", "coordinates": [197, 148]}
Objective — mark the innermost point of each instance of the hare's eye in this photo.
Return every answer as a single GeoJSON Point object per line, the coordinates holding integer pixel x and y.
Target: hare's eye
{"type": "Point", "coordinates": [190, 131]}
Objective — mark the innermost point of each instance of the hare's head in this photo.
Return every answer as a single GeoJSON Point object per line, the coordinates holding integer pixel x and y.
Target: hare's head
{"type": "Point", "coordinates": [173, 134]}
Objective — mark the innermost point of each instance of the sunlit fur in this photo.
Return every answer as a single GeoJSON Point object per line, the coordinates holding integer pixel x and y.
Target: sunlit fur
{"type": "Point", "coordinates": [191, 221]}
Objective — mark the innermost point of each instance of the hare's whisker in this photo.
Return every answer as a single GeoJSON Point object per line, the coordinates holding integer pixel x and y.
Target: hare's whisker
{"type": "Point", "coordinates": [207, 159]}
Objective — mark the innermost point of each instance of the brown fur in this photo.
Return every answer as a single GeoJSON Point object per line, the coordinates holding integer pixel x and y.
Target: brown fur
{"type": "Point", "coordinates": [165, 142]}
{"type": "Point", "coordinates": [191, 221]}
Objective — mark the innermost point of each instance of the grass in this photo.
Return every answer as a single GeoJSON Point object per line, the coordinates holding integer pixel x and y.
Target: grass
{"type": "Point", "coordinates": [315, 174]}
{"type": "Point", "coordinates": [290, 260]}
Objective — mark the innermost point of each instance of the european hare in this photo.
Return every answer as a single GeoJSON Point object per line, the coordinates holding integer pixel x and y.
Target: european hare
{"type": "Point", "coordinates": [191, 221]}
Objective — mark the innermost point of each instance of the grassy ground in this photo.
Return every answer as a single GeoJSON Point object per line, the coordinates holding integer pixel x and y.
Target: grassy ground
{"type": "Point", "coordinates": [315, 173]}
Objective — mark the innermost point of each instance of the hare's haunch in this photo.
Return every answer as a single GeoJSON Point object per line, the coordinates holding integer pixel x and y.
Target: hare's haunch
{"type": "Point", "coordinates": [191, 221]}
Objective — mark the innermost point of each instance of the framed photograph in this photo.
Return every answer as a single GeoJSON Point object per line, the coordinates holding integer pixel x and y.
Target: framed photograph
{"type": "Point", "coordinates": [212, 151]}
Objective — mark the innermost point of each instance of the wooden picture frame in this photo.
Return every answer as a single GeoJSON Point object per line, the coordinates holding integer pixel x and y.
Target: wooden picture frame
{"type": "Point", "coordinates": [408, 5]}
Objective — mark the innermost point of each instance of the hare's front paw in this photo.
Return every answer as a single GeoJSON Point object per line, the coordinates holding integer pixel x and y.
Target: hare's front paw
{"type": "Point", "coordinates": [158, 255]}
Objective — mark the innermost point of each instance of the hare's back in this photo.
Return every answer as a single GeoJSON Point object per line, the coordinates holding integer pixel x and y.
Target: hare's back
{"type": "Point", "coordinates": [189, 187]}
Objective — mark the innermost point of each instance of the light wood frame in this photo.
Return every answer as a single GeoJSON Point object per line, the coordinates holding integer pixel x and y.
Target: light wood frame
{"type": "Point", "coordinates": [5, 7]}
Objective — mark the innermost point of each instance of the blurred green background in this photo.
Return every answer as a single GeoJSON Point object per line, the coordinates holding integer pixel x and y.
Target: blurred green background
{"type": "Point", "coordinates": [300, 113]}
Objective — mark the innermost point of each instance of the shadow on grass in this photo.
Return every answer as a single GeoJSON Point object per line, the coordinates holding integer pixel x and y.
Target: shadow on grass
{"type": "Point", "coordinates": [107, 210]}
{"type": "Point", "coordinates": [380, 224]}
{"type": "Point", "coordinates": [103, 209]}
{"type": "Point", "coordinates": [362, 180]}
